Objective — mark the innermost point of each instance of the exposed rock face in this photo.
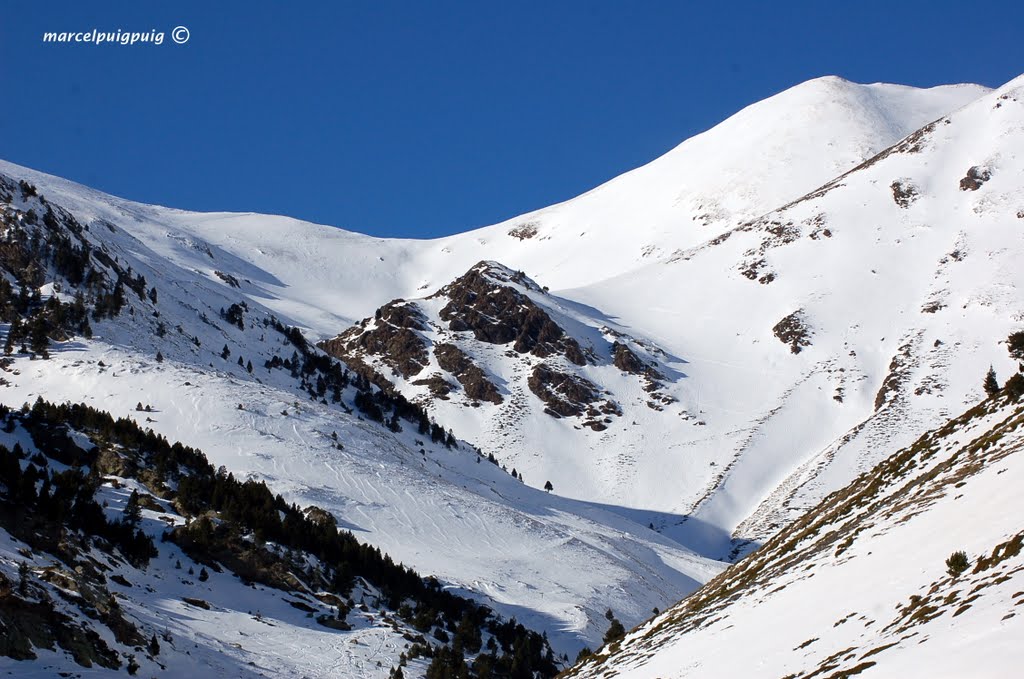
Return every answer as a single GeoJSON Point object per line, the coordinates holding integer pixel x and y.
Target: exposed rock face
{"type": "Point", "coordinates": [904, 193]}
{"type": "Point", "coordinates": [976, 176]}
{"type": "Point", "coordinates": [524, 231]}
{"type": "Point", "coordinates": [500, 314]}
{"type": "Point", "coordinates": [565, 395]}
{"type": "Point", "coordinates": [451, 337]}
{"type": "Point", "coordinates": [392, 337]}
{"type": "Point", "coordinates": [899, 373]}
{"type": "Point", "coordinates": [439, 387]}
{"type": "Point", "coordinates": [793, 330]}
{"type": "Point", "coordinates": [568, 395]}
{"type": "Point", "coordinates": [625, 360]}
{"type": "Point", "coordinates": [469, 375]}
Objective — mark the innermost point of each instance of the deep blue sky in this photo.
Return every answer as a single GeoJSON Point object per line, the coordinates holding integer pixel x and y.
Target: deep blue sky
{"type": "Point", "coordinates": [426, 118]}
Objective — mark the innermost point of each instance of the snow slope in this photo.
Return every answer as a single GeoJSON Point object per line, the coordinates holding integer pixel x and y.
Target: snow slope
{"type": "Point", "coordinates": [247, 631]}
{"type": "Point", "coordinates": [903, 308]}
{"type": "Point", "coordinates": [859, 585]}
{"type": "Point", "coordinates": [764, 156]}
{"type": "Point", "coordinates": [553, 563]}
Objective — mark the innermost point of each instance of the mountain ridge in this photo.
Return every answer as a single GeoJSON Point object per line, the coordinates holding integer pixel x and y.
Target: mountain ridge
{"type": "Point", "coordinates": [791, 341]}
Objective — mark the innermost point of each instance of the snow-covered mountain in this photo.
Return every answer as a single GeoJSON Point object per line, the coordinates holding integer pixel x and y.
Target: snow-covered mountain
{"type": "Point", "coordinates": [691, 354]}
{"type": "Point", "coordinates": [869, 581]}
{"type": "Point", "coordinates": [794, 347]}
{"type": "Point", "coordinates": [235, 381]}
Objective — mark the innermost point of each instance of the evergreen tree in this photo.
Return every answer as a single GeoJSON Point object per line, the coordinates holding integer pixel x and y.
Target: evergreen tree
{"type": "Point", "coordinates": [23, 573]}
{"type": "Point", "coordinates": [132, 510]}
{"type": "Point", "coordinates": [1015, 345]}
{"type": "Point", "coordinates": [957, 563]}
{"type": "Point", "coordinates": [548, 487]}
{"type": "Point", "coordinates": [615, 629]}
{"type": "Point", "coordinates": [248, 366]}
{"type": "Point", "coordinates": [159, 357]}
{"type": "Point", "coordinates": [154, 645]}
{"type": "Point", "coordinates": [991, 384]}
{"type": "Point", "coordinates": [39, 339]}
{"type": "Point", "coordinates": [225, 352]}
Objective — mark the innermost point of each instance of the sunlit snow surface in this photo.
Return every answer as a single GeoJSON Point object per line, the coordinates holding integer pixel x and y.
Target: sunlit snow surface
{"type": "Point", "coordinates": [757, 433]}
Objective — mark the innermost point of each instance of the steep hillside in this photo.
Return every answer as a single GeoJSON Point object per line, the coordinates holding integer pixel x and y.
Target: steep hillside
{"type": "Point", "coordinates": [793, 348]}
{"type": "Point", "coordinates": [517, 368]}
{"type": "Point", "coordinates": [121, 550]}
{"type": "Point", "coordinates": [913, 569]}
{"type": "Point", "coordinates": [688, 364]}
{"type": "Point", "coordinates": [656, 267]}
{"type": "Point", "coordinates": [92, 315]}
{"type": "Point", "coordinates": [847, 322]}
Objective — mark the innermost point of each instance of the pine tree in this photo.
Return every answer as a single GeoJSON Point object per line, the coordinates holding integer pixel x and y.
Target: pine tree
{"type": "Point", "coordinates": [548, 487]}
{"type": "Point", "coordinates": [957, 563]}
{"type": "Point", "coordinates": [132, 510]}
{"type": "Point", "coordinates": [23, 574]}
{"type": "Point", "coordinates": [225, 352]}
{"type": "Point", "coordinates": [991, 384]}
{"type": "Point", "coordinates": [248, 366]}
{"type": "Point", "coordinates": [154, 645]}
{"type": "Point", "coordinates": [39, 340]}
{"type": "Point", "coordinates": [1015, 345]}
{"type": "Point", "coordinates": [159, 357]}
{"type": "Point", "coordinates": [615, 629]}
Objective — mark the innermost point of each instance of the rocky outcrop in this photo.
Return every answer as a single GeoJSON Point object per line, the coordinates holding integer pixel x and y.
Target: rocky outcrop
{"type": "Point", "coordinates": [493, 305]}
{"type": "Point", "coordinates": [496, 313]}
{"type": "Point", "coordinates": [793, 330]}
{"type": "Point", "coordinates": [976, 176]}
{"type": "Point", "coordinates": [437, 385]}
{"type": "Point", "coordinates": [904, 193]}
{"type": "Point", "coordinates": [392, 336]}
{"type": "Point", "coordinates": [567, 395]}
{"type": "Point", "coordinates": [473, 380]}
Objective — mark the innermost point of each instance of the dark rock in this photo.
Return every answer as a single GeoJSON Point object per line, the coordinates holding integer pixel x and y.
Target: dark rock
{"type": "Point", "coordinates": [500, 314]}
{"type": "Point", "coordinates": [469, 375]}
{"type": "Point", "coordinates": [566, 395]}
{"type": "Point", "coordinates": [393, 337]}
{"type": "Point", "coordinates": [976, 176]}
{"type": "Point", "coordinates": [904, 193]}
{"type": "Point", "coordinates": [439, 387]}
{"type": "Point", "coordinates": [792, 330]}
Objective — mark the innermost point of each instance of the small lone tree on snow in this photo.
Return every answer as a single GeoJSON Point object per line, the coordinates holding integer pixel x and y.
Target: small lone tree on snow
{"type": "Point", "coordinates": [957, 563]}
{"type": "Point", "coordinates": [991, 384]}
{"type": "Point", "coordinates": [548, 487]}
